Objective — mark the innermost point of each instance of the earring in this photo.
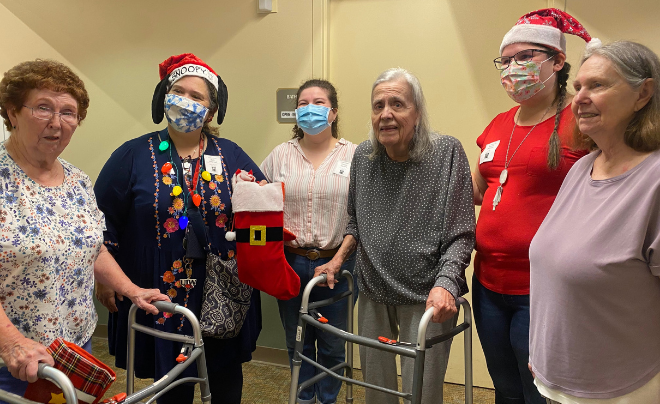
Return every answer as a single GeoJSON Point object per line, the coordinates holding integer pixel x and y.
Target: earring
{"type": "Point", "coordinates": [14, 126]}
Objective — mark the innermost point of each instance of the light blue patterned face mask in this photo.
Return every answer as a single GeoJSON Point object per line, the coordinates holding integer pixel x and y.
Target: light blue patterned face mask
{"type": "Point", "coordinates": [183, 114]}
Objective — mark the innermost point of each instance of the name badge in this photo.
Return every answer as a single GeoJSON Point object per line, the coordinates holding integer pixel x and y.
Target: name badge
{"type": "Point", "coordinates": [213, 164]}
{"type": "Point", "coordinates": [489, 152]}
{"type": "Point", "coordinates": [342, 168]}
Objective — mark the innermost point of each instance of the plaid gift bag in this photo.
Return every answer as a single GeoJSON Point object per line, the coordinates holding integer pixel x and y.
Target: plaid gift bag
{"type": "Point", "coordinates": [90, 377]}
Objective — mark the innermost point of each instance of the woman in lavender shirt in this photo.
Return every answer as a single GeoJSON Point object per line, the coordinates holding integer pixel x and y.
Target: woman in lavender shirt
{"type": "Point", "coordinates": [595, 262]}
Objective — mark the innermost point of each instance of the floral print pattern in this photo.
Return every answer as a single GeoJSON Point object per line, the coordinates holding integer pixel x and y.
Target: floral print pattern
{"type": "Point", "coordinates": [49, 240]}
{"type": "Point", "coordinates": [221, 220]}
{"type": "Point", "coordinates": [214, 200]}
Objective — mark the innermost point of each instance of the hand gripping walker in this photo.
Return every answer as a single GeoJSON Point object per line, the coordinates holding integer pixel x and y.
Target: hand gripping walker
{"type": "Point", "coordinates": [309, 316]}
{"type": "Point", "coordinates": [44, 372]}
{"type": "Point", "coordinates": [193, 351]}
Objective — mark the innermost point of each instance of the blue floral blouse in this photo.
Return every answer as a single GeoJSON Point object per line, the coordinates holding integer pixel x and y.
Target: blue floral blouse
{"type": "Point", "coordinates": [49, 240]}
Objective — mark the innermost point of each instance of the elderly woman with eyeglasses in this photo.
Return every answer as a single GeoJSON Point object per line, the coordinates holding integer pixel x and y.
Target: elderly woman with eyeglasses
{"type": "Point", "coordinates": [51, 230]}
{"type": "Point", "coordinates": [525, 154]}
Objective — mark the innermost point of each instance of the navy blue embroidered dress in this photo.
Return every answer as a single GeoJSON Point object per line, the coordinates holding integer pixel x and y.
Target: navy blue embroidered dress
{"type": "Point", "coordinates": [144, 236]}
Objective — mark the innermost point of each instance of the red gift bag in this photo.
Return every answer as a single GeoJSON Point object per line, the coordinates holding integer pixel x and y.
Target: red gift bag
{"type": "Point", "coordinates": [90, 377]}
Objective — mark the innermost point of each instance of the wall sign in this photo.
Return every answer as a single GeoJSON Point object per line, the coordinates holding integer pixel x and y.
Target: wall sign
{"type": "Point", "coordinates": [286, 105]}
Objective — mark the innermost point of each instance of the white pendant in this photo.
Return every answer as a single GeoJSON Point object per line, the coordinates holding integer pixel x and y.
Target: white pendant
{"type": "Point", "coordinates": [498, 197]}
{"type": "Point", "coordinates": [503, 176]}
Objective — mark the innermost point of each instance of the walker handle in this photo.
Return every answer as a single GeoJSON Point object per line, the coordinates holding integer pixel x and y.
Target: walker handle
{"type": "Point", "coordinates": [167, 307]}
{"type": "Point", "coordinates": [61, 380]}
{"type": "Point", "coordinates": [423, 342]}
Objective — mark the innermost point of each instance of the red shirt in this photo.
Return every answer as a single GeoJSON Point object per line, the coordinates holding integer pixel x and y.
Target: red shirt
{"type": "Point", "coordinates": [504, 234]}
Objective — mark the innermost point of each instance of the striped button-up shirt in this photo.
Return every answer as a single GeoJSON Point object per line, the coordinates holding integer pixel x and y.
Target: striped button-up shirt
{"type": "Point", "coordinates": [315, 200]}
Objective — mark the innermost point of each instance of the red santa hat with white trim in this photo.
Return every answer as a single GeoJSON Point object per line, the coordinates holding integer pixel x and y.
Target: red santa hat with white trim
{"type": "Point", "coordinates": [547, 27]}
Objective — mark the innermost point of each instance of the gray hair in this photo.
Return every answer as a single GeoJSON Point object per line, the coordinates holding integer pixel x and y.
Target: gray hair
{"type": "Point", "coordinates": [421, 141]}
{"type": "Point", "coordinates": [635, 63]}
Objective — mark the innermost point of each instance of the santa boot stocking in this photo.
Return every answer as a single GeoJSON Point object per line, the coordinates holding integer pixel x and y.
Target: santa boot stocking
{"type": "Point", "coordinates": [260, 236]}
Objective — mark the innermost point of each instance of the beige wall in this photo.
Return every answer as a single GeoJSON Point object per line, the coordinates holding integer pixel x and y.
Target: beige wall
{"type": "Point", "coordinates": [449, 44]}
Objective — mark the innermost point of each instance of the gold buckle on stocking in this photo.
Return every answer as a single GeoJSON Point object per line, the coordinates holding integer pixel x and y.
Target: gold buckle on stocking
{"type": "Point", "coordinates": [262, 235]}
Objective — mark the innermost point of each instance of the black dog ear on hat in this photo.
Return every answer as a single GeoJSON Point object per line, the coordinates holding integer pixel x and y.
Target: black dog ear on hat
{"type": "Point", "coordinates": [222, 100]}
{"type": "Point", "coordinates": [158, 102]}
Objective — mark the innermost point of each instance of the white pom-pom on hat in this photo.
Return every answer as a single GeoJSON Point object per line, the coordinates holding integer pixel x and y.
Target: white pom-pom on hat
{"type": "Point", "coordinates": [595, 43]}
{"type": "Point", "coordinates": [230, 236]}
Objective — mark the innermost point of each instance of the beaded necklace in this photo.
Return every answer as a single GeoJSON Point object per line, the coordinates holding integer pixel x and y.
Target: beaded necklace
{"type": "Point", "coordinates": [171, 168]}
{"type": "Point", "coordinates": [195, 193]}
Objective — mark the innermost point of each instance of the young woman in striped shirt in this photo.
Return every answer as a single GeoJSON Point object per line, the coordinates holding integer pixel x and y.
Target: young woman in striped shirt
{"type": "Point", "coordinates": [315, 165]}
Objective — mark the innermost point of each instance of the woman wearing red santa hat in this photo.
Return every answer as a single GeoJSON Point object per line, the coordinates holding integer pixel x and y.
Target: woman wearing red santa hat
{"type": "Point", "coordinates": [154, 188]}
{"type": "Point", "coordinates": [525, 155]}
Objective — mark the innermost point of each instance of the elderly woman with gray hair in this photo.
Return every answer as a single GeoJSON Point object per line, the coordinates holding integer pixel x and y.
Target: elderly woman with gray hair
{"type": "Point", "coordinates": [595, 261]}
{"type": "Point", "coordinates": [412, 223]}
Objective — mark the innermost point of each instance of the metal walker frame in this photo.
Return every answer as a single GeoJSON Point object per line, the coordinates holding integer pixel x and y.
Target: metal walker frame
{"type": "Point", "coordinates": [193, 344]}
{"type": "Point", "coordinates": [418, 353]}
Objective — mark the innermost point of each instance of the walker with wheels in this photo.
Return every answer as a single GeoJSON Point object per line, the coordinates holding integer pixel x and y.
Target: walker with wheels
{"type": "Point", "coordinates": [310, 316]}
{"type": "Point", "coordinates": [193, 351]}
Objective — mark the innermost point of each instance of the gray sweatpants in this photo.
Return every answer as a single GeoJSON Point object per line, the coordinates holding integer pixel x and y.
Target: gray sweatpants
{"type": "Point", "coordinates": [379, 367]}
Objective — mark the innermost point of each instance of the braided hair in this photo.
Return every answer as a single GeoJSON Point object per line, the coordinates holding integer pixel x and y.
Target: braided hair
{"type": "Point", "coordinates": [554, 144]}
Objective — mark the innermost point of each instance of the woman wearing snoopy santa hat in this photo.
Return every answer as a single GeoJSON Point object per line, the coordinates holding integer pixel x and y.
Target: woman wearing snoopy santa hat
{"type": "Point", "coordinates": [152, 190]}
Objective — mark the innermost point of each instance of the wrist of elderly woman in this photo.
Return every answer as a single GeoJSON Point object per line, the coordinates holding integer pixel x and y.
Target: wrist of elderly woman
{"type": "Point", "coordinates": [336, 263]}
{"type": "Point", "coordinates": [22, 357]}
{"type": "Point", "coordinates": [132, 291]}
{"type": "Point", "coordinates": [9, 337]}
{"type": "Point", "coordinates": [448, 285]}
{"type": "Point", "coordinates": [17, 350]}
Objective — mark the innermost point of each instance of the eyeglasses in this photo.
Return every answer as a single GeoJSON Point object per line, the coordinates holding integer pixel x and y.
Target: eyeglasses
{"type": "Point", "coordinates": [47, 114]}
{"type": "Point", "coordinates": [520, 58]}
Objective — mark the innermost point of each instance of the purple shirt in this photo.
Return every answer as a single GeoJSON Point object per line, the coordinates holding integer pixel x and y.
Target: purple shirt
{"type": "Point", "coordinates": [595, 291]}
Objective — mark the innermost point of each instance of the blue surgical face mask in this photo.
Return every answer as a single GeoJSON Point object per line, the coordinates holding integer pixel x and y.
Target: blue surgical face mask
{"type": "Point", "coordinates": [183, 114]}
{"type": "Point", "coordinates": [312, 119]}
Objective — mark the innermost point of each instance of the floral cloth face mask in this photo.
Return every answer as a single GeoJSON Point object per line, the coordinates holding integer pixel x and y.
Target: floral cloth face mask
{"type": "Point", "coordinates": [523, 82]}
{"type": "Point", "coordinates": [183, 114]}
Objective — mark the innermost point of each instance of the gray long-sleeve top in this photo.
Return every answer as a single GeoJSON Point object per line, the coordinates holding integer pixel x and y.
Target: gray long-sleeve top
{"type": "Point", "coordinates": [413, 221]}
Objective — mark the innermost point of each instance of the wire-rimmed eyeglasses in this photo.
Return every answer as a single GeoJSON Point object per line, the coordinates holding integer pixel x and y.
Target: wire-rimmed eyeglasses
{"type": "Point", "coordinates": [47, 114]}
